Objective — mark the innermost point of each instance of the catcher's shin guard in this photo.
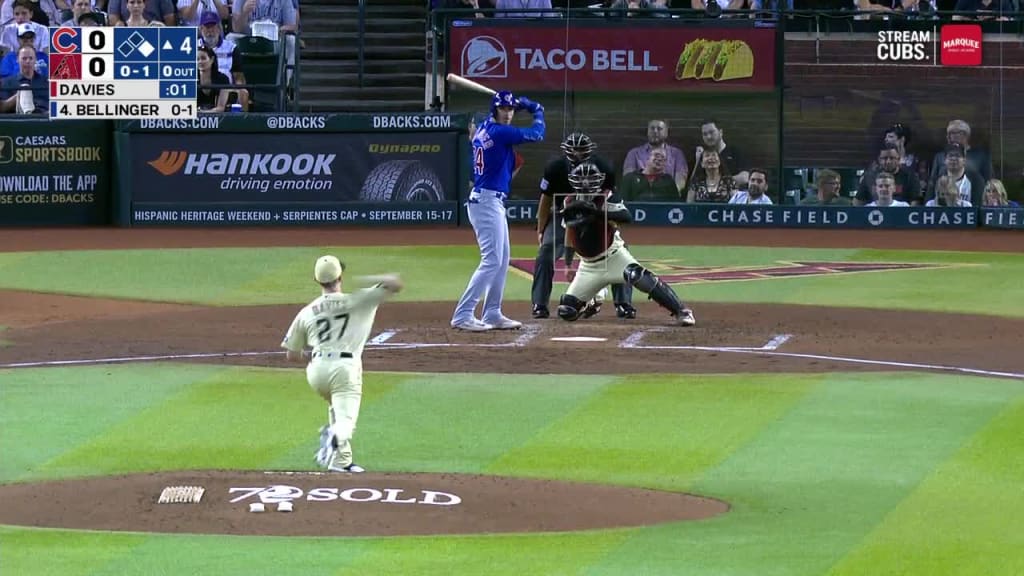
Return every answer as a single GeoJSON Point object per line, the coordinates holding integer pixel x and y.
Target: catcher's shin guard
{"type": "Point", "coordinates": [570, 307]}
{"type": "Point", "coordinates": [645, 281]}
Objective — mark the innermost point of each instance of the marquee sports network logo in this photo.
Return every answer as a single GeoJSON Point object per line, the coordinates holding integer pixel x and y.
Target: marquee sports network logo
{"type": "Point", "coordinates": [961, 45]}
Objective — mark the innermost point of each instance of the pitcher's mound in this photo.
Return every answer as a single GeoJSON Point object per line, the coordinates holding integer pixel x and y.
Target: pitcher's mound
{"type": "Point", "coordinates": [327, 504]}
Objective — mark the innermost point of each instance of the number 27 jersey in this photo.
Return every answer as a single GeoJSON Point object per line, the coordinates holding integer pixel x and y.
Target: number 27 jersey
{"type": "Point", "coordinates": [336, 322]}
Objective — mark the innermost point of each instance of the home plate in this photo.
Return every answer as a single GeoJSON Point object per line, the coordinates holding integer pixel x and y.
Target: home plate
{"type": "Point", "coordinates": [578, 339]}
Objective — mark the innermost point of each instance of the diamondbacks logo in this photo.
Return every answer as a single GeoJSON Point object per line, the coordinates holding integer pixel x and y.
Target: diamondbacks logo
{"type": "Point", "coordinates": [677, 274]}
{"type": "Point", "coordinates": [169, 161]}
{"type": "Point", "coordinates": [65, 67]}
{"type": "Point", "coordinates": [484, 57]}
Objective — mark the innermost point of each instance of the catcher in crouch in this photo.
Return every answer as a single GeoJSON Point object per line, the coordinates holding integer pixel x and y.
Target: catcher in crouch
{"type": "Point", "coordinates": [591, 228]}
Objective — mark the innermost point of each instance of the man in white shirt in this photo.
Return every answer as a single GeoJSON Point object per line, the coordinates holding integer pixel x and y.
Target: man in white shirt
{"type": "Point", "coordinates": [22, 12]}
{"type": "Point", "coordinates": [336, 326]}
{"type": "Point", "coordinates": [885, 187]}
{"type": "Point", "coordinates": [757, 189]}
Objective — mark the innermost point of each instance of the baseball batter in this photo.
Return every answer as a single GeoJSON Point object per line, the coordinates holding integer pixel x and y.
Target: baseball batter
{"type": "Point", "coordinates": [591, 219]}
{"type": "Point", "coordinates": [493, 164]}
{"type": "Point", "coordinates": [554, 187]}
{"type": "Point", "coordinates": [336, 326]}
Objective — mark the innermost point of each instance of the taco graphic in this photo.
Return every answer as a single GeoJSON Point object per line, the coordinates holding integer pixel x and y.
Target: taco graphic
{"type": "Point", "coordinates": [706, 60]}
{"type": "Point", "coordinates": [688, 58]}
{"type": "Point", "coordinates": [734, 60]}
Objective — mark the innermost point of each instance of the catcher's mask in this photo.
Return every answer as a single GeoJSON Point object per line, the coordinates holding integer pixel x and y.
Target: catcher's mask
{"type": "Point", "coordinates": [578, 147]}
{"type": "Point", "coordinates": [586, 179]}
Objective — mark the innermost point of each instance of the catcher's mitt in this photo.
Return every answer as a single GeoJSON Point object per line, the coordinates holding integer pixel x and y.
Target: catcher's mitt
{"type": "Point", "coordinates": [579, 211]}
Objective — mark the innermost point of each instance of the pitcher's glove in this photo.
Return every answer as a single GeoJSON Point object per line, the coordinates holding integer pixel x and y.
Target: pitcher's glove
{"type": "Point", "coordinates": [580, 211]}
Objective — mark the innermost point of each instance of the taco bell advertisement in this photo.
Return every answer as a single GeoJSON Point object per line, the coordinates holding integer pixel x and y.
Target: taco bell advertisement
{"type": "Point", "coordinates": [536, 55]}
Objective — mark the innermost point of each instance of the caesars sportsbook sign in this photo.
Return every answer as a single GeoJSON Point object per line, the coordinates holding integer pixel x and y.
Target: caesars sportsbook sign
{"type": "Point", "coordinates": [599, 55]}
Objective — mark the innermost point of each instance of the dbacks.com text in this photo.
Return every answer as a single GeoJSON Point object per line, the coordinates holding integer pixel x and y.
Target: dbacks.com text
{"type": "Point", "coordinates": [413, 121]}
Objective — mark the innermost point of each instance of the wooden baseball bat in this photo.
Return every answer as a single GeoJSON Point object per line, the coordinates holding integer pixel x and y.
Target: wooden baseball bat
{"type": "Point", "coordinates": [470, 85]}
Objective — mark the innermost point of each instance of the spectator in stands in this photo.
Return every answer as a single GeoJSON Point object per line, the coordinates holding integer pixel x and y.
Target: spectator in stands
{"type": "Point", "coordinates": [995, 195]}
{"type": "Point", "coordinates": [984, 9]}
{"type": "Point", "coordinates": [946, 194]}
{"type": "Point", "coordinates": [829, 190]}
{"type": "Point", "coordinates": [92, 19]}
{"type": "Point", "coordinates": [885, 185]}
{"type": "Point", "coordinates": [652, 184]}
{"type": "Point", "coordinates": [78, 7]}
{"type": "Point", "coordinates": [213, 92]}
{"type": "Point", "coordinates": [543, 8]}
{"type": "Point", "coordinates": [899, 135]}
{"type": "Point", "coordinates": [25, 92]}
{"type": "Point", "coordinates": [675, 161]}
{"type": "Point", "coordinates": [908, 186]}
{"type": "Point", "coordinates": [281, 12]}
{"type": "Point", "coordinates": [714, 137]}
{"type": "Point", "coordinates": [773, 5]}
{"type": "Point", "coordinates": [711, 180]}
{"type": "Point", "coordinates": [43, 12]}
{"type": "Point", "coordinates": [9, 65]}
{"type": "Point", "coordinates": [190, 12]}
{"type": "Point", "coordinates": [22, 14]}
{"type": "Point", "coordinates": [723, 4]}
{"type": "Point", "coordinates": [159, 10]}
{"type": "Point", "coordinates": [229, 58]}
{"type": "Point", "coordinates": [465, 4]}
{"type": "Point", "coordinates": [757, 189]}
{"type": "Point", "coordinates": [136, 14]}
{"type": "Point", "coordinates": [978, 159]}
{"type": "Point", "coordinates": [969, 183]}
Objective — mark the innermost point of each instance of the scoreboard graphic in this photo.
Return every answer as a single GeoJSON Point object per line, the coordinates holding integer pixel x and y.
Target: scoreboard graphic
{"type": "Point", "coordinates": [123, 73]}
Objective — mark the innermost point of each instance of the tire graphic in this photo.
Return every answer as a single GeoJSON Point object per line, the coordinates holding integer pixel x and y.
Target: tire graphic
{"type": "Point", "coordinates": [402, 181]}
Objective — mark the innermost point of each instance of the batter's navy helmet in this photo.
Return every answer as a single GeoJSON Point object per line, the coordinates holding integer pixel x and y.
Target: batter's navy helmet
{"type": "Point", "coordinates": [503, 99]}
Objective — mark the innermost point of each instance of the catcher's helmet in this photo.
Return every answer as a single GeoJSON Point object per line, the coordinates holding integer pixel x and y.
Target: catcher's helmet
{"type": "Point", "coordinates": [503, 99]}
{"type": "Point", "coordinates": [578, 147]}
{"type": "Point", "coordinates": [586, 179]}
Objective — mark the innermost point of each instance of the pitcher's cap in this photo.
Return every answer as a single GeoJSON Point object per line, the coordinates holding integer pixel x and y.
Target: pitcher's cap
{"type": "Point", "coordinates": [327, 269]}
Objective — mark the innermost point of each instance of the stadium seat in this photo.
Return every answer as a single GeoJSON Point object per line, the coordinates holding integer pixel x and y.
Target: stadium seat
{"type": "Point", "coordinates": [263, 65]}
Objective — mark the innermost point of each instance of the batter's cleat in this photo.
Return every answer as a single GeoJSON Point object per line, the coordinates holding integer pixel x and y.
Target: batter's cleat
{"type": "Point", "coordinates": [324, 452]}
{"type": "Point", "coordinates": [625, 311]}
{"type": "Point", "coordinates": [472, 325]}
{"type": "Point", "coordinates": [504, 323]}
{"type": "Point", "coordinates": [351, 468]}
{"type": "Point", "coordinates": [591, 309]}
{"type": "Point", "coordinates": [685, 318]}
{"type": "Point", "coordinates": [541, 312]}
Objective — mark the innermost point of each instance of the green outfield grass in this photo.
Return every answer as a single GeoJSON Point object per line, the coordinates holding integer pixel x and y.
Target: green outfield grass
{"type": "Point", "coordinates": [973, 283]}
{"type": "Point", "coordinates": [828, 474]}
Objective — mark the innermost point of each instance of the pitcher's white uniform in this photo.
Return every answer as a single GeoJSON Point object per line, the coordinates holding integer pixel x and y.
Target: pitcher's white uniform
{"type": "Point", "coordinates": [337, 325]}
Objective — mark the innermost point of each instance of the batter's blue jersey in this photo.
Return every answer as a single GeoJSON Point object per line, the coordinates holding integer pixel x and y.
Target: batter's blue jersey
{"type": "Point", "coordinates": [493, 156]}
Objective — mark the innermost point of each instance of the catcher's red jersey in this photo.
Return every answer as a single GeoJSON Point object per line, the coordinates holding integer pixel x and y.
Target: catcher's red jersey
{"type": "Point", "coordinates": [592, 238]}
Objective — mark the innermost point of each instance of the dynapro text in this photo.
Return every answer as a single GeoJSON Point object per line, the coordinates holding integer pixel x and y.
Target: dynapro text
{"type": "Point", "coordinates": [576, 59]}
{"type": "Point", "coordinates": [253, 164]}
{"type": "Point", "coordinates": [412, 121]}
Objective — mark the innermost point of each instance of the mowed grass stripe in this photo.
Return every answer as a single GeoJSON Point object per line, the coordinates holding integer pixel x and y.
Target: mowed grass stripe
{"type": "Point", "coordinates": [966, 519]}
{"type": "Point", "coordinates": [813, 484]}
{"type": "Point", "coordinates": [660, 431]}
{"type": "Point", "coordinates": [248, 418]}
{"type": "Point", "coordinates": [492, 555]}
{"type": "Point", "coordinates": [465, 422]}
{"type": "Point", "coordinates": [28, 552]}
{"type": "Point", "coordinates": [46, 413]}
